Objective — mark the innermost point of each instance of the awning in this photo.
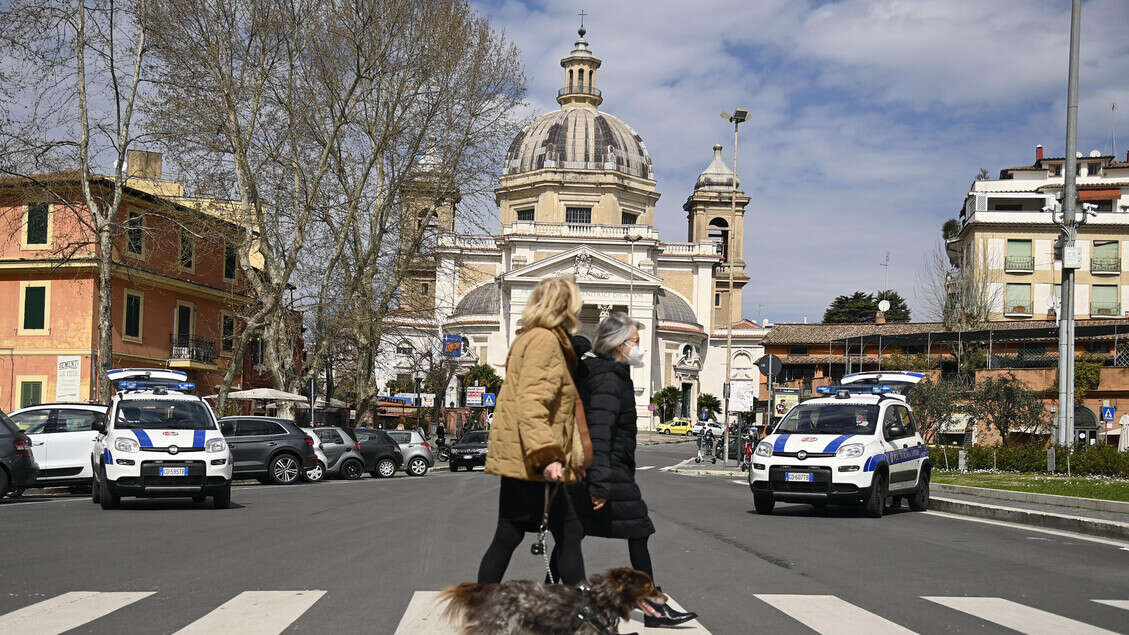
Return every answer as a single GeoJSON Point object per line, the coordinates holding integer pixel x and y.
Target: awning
{"type": "Point", "coordinates": [1099, 195]}
{"type": "Point", "coordinates": [263, 394]}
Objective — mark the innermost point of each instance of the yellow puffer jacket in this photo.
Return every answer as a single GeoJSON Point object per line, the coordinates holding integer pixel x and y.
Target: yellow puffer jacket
{"type": "Point", "coordinates": [534, 415]}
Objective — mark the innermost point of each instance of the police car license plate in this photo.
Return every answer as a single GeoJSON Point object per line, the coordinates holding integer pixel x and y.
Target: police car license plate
{"type": "Point", "coordinates": [173, 471]}
{"type": "Point", "coordinates": [805, 477]}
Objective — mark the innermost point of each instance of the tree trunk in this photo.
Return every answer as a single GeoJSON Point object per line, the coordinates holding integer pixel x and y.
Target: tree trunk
{"type": "Point", "coordinates": [105, 349]}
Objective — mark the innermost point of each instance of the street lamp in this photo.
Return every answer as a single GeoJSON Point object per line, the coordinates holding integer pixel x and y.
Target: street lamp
{"type": "Point", "coordinates": [632, 239]}
{"type": "Point", "coordinates": [419, 398]}
{"type": "Point", "coordinates": [739, 115]}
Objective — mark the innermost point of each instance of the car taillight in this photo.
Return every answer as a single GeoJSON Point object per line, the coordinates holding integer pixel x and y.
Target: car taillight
{"type": "Point", "coordinates": [309, 442]}
{"type": "Point", "coordinates": [357, 445]}
{"type": "Point", "coordinates": [426, 445]}
{"type": "Point", "coordinates": [21, 447]}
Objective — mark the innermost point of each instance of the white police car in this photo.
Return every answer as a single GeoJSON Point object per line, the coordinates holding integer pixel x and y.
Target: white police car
{"type": "Point", "coordinates": [858, 445]}
{"type": "Point", "coordinates": [159, 441]}
{"type": "Point", "coordinates": [898, 380]}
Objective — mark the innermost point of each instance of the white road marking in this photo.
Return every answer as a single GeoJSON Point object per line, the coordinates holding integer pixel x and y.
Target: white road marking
{"type": "Point", "coordinates": [64, 612]}
{"type": "Point", "coordinates": [829, 614]}
{"type": "Point", "coordinates": [255, 613]}
{"type": "Point", "coordinates": [1121, 604]}
{"type": "Point", "coordinates": [1016, 616]}
{"type": "Point", "coordinates": [1053, 532]}
{"type": "Point", "coordinates": [739, 482]}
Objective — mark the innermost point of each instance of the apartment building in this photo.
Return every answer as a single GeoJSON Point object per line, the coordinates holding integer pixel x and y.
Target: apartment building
{"type": "Point", "coordinates": [1007, 236]}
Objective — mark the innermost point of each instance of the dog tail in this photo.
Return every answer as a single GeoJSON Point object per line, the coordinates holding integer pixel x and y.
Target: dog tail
{"type": "Point", "coordinates": [460, 598]}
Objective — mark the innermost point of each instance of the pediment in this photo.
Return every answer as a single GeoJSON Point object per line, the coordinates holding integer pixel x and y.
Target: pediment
{"type": "Point", "coordinates": [588, 265]}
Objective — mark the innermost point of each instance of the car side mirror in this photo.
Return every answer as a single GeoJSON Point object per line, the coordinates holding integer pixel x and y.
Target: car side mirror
{"type": "Point", "coordinates": [99, 427]}
{"type": "Point", "coordinates": [895, 432]}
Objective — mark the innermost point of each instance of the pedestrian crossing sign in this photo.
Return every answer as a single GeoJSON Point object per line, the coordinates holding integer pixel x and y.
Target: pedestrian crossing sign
{"type": "Point", "coordinates": [488, 399]}
{"type": "Point", "coordinates": [1108, 412]}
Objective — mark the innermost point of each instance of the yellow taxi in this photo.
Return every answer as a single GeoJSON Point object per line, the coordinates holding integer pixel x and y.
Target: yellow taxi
{"type": "Point", "coordinates": [676, 426]}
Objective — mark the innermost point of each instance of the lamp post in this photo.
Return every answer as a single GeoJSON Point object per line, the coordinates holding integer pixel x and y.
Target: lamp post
{"type": "Point", "coordinates": [739, 115]}
{"type": "Point", "coordinates": [1069, 251]}
{"type": "Point", "coordinates": [632, 239]}
{"type": "Point", "coordinates": [418, 399]}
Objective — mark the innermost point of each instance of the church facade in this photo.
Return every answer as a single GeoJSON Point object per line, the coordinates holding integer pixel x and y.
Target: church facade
{"type": "Point", "coordinates": [577, 197]}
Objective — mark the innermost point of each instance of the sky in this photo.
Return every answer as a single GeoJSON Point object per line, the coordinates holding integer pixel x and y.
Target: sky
{"type": "Point", "coordinates": [869, 119]}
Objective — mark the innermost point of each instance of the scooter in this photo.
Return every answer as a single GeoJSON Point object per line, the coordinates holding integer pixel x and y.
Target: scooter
{"type": "Point", "coordinates": [443, 450]}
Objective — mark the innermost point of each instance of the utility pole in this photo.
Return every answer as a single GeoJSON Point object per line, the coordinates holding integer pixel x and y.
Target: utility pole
{"type": "Point", "coordinates": [1065, 432]}
{"type": "Point", "coordinates": [739, 115]}
{"type": "Point", "coordinates": [886, 265]}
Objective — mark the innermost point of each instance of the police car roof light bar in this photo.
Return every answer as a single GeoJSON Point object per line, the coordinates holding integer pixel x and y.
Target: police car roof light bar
{"type": "Point", "coordinates": [855, 388]}
{"type": "Point", "coordinates": [181, 386]}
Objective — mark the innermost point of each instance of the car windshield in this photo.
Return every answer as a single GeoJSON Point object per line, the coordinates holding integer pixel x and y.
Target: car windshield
{"type": "Point", "coordinates": [830, 418]}
{"type": "Point", "coordinates": [163, 414]}
{"type": "Point", "coordinates": [474, 437]}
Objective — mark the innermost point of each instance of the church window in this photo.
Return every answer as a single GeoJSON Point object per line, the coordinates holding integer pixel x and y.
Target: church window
{"type": "Point", "coordinates": [578, 215]}
{"type": "Point", "coordinates": [628, 218]}
{"type": "Point", "coordinates": [425, 289]}
{"type": "Point", "coordinates": [719, 233]}
{"type": "Point", "coordinates": [525, 215]}
{"type": "Point", "coordinates": [570, 81]}
{"type": "Point", "coordinates": [717, 299]}
{"type": "Point", "coordinates": [404, 349]}
{"type": "Point", "coordinates": [580, 79]}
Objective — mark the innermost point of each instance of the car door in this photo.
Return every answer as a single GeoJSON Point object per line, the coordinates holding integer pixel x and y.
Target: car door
{"type": "Point", "coordinates": [244, 445]}
{"type": "Point", "coordinates": [899, 454]}
{"type": "Point", "coordinates": [36, 425]}
{"type": "Point", "coordinates": [403, 440]}
{"type": "Point", "coordinates": [331, 444]}
{"type": "Point", "coordinates": [75, 431]}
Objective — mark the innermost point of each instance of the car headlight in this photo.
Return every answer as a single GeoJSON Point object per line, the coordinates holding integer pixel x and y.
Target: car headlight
{"type": "Point", "coordinates": [764, 449]}
{"type": "Point", "coordinates": [849, 451]}
{"type": "Point", "coordinates": [216, 445]}
{"type": "Point", "coordinates": [123, 444]}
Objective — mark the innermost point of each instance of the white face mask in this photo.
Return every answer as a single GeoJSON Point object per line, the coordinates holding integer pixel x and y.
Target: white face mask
{"type": "Point", "coordinates": [635, 356]}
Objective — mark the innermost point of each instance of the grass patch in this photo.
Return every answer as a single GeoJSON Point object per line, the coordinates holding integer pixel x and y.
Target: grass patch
{"type": "Point", "coordinates": [1103, 487]}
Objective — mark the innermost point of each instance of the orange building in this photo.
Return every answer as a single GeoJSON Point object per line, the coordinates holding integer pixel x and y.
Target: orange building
{"type": "Point", "coordinates": [176, 286]}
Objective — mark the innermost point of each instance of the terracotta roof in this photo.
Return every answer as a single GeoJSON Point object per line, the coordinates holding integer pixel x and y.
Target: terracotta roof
{"type": "Point", "coordinates": [789, 333]}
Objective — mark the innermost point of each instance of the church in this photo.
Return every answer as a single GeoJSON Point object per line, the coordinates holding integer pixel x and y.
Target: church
{"type": "Point", "coordinates": [577, 196]}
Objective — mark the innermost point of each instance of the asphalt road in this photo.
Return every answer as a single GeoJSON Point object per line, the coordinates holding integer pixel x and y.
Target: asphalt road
{"type": "Point", "coordinates": [371, 544]}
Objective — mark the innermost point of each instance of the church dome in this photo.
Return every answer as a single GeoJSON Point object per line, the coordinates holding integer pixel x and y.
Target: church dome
{"type": "Point", "coordinates": [672, 308]}
{"type": "Point", "coordinates": [717, 176]}
{"type": "Point", "coordinates": [579, 139]}
{"type": "Point", "coordinates": [481, 300]}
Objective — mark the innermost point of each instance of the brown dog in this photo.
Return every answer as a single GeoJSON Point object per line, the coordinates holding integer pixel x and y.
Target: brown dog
{"type": "Point", "coordinates": [522, 607]}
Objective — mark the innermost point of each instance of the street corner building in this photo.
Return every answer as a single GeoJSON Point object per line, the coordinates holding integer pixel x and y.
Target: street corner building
{"type": "Point", "coordinates": [577, 197]}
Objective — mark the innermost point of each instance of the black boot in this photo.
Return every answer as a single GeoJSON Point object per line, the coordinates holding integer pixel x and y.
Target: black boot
{"type": "Point", "coordinates": [668, 616]}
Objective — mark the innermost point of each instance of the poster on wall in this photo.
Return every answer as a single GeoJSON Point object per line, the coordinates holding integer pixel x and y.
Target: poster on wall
{"type": "Point", "coordinates": [742, 396]}
{"type": "Point", "coordinates": [786, 399]}
{"type": "Point", "coordinates": [68, 378]}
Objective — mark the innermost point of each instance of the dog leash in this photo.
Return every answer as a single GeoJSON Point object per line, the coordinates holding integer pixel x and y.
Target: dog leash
{"type": "Point", "coordinates": [538, 548]}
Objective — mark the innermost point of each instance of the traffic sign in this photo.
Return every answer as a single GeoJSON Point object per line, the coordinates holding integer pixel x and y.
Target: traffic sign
{"type": "Point", "coordinates": [488, 400]}
{"type": "Point", "coordinates": [769, 365]}
{"type": "Point", "coordinates": [651, 407]}
{"type": "Point", "coordinates": [1108, 412]}
{"type": "Point", "coordinates": [705, 414]}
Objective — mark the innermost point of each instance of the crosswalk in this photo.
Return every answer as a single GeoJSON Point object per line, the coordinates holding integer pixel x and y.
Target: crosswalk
{"type": "Point", "coordinates": [273, 612]}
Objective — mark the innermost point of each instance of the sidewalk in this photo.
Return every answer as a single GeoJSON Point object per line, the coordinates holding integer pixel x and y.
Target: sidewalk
{"type": "Point", "coordinates": [647, 437]}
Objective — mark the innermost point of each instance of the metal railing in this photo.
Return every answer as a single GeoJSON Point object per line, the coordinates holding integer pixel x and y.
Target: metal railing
{"type": "Point", "coordinates": [1105, 265]}
{"type": "Point", "coordinates": [1019, 263]}
{"type": "Point", "coordinates": [1018, 309]}
{"type": "Point", "coordinates": [1105, 308]}
{"type": "Point", "coordinates": [580, 229]}
{"type": "Point", "coordinates": [579, 90]}
{"type": "Point", "coordinates": [192, 349]}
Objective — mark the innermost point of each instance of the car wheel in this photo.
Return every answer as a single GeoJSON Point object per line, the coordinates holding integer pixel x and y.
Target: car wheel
{"type": "Point", "coordinates": [352, 469]}
{"type": "Point", "coordinates": [417, 466]}
{"type": "Point", "coordinates": [763, 503]}
{"type": "Point", "coordinates": [108, 497]}
{"type": "Point", "coordinates": [877, 499]}
{"type": "Point", "coordinates": [315, 473]}
{"type": "Point", "coordinates": [689, 432]}
{"type": "Point", "coordinates": [919, 502]}
{"type": "Point", "coordinates": [222, 499]}
{"type": "Point", "coordinates": [385, 468]}
{"type": "Point", "coordinates": [284, 469]}
{"type": "Point", "coordinates": [666, 431]}
{"type": "Point", "coordinates": [95, 489]}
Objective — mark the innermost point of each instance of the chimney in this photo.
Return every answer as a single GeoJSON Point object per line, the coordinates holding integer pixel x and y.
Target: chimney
{"type": "Point", "coordinates": [1127, 156]}
{"type": "Point", "coordinates": [1039, 152]}
{"type": "Point", "coordinates": [142, 164]}
{"type": "Point", "coordinates": [880, 318]}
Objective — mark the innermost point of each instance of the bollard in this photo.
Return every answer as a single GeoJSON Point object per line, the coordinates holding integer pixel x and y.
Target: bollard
{"type": "Point", "coordinates": [962, 460]}
{"type": "Point", "coordinates": [1051, 459]}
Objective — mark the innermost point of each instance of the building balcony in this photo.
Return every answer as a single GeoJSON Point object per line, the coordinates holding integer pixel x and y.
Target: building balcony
{"type": "Point", "coordinates": [1105, 309]}
{"type": "Point", "coordinates": [580, 230]}
{"type": "Point", "coordinates": [579, 90]}
{"type": "Point", "coordinates": [1019, 264]}
{"type": "Point", "coordinates": [191, 352]}
{"type": "Point", "coordinates": [1018, 310]}
{"type": "Point", "coordinates": [704, 248]}
{"type": "Point", "coordinates": [1105, 265]}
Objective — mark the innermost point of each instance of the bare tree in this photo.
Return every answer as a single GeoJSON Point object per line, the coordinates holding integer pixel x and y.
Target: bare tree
{"type": "Point", "coordinates": [959, 291]}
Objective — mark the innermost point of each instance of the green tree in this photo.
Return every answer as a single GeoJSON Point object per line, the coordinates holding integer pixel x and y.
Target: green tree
{"type": "Point", "coordinates": [934, 406]}
{"type": "Point", "coordinates": [950, 229]}
{"type": "Point", "coordinates": [899, 310]}
{"type": "Point", "coordinates": [1006, 404]}
{"type": "Point", "coordinates": [1087, 376]}
{"type": "Point", "coordinates": [666, 401]}
{"type": "Point", "coordinates": [393, 386]}
{"type": "Point", "coordinates": [709, 403]}
{"type": "Point", "coordinates": [861, 306]}
{"type": "Point", "coordinates": [484, 375]}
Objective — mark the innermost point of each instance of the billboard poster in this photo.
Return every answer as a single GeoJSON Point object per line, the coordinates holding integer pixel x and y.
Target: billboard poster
{"type": "Point", "coordinates": [742, 396]}
{"type": "Point", "coordinates": [68, 375]}
{"type": "Point", "coordinates": [786, 399]}
{"type": "Point", "coordinates": [474, 396]}
{"type": "Point", "coordinates": [452, 345]}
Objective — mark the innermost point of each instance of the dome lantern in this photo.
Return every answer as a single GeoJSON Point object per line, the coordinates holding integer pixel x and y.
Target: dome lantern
{"type": "Point", "coordinates": [580, 76]}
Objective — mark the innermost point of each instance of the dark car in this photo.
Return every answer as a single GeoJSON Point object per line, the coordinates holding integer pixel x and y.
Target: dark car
{"type": "Point", "coordinates": [382, 453]}
{"type": "Point", "coordinates": [469, 450]}
{"type": "Point", "coordinates": [273, 450]}
{"type": "Point", "coordinates": [17, 466]}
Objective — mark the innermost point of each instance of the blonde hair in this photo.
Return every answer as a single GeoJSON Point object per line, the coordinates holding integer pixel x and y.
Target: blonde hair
{"type": "Point", "coordinates": [554, 302]}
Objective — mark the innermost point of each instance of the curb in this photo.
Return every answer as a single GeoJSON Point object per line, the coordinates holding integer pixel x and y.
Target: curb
{"type": "Point", "coordinates": [1093, 504]}
{"type": "Point", "coordinates": [1078, 524]}
{"type": "Point", "coordinates": [693, 472]}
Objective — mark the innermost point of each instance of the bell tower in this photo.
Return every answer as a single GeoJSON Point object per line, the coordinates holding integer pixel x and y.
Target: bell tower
{"type": "Point", "coordinates": [711, 215]}
{"type": "Point", "coordinates": [580, 76]}
{"type": "Point", "coordinates": [428, 209]}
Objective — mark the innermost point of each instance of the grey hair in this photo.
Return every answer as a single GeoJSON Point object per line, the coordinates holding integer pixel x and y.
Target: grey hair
{"type": "Point", "coordinates": [613, 331]}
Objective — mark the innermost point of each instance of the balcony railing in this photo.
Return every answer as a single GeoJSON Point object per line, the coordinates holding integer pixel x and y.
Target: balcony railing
{"type": "Point", "coordinates": [592, 230]}
{"type": "Point", "coordinates": [1105, 309]}
{"type": "Point", "coordinates": [1018, 309]}
{"type": "Point", "coordinates": [1105, 265]}
{"type": "Point", "coordinates": [191, 349]}
{"type": "Point", "coordinates": [578, 90]}
{"type": "Point", "coordinates": [1019, 263]}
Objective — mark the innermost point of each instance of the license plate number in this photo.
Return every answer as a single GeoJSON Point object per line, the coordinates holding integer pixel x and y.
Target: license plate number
{"type": "Point", "coordinates": [805, 477]}
{"type": "Point", "coordinates": [173, 471]}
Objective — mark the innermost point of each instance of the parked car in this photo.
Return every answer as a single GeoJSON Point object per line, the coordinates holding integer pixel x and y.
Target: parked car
{"type": "Point", "coordinates": [316, 473]}
{"type": "Point", "coordinates": [702, 426]}
{"type": "Point", "coordinates": [469, 450]}
{"type": "Point", "coordinates": [61, 437]}
{"type": "Point", "coordinates": [342, 453]}
{"type": "Point", "coordinates": [17, 464]}
{"type": "Point", "coordinates": [416, 450]}
{"type": "Point", "coordinates": [271, 449]}
{"type": "Point", "coordinates": [675, 426]}
{"type": "Point", "coordinates": [381, 452]}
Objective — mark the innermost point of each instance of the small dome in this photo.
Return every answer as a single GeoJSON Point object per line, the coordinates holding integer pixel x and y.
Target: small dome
{"type": "Point", "coordinates": [579, 139]}
{"type": "Point", "coordinates": [672, 308]}
{"type": "Point", "coordinates": [481, 300]}
{"type": "Point", "coordinates": [717, 175]}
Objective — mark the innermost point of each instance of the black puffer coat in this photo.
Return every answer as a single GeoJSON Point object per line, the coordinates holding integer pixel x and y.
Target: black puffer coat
{"type": "Point", "coordinates": [609, 403]}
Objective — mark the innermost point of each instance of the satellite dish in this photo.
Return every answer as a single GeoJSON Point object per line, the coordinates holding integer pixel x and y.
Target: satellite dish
{"type": "Point", "coordinates": [1095, 153]}
{"type": "Point", "coordinates": [884, 306]}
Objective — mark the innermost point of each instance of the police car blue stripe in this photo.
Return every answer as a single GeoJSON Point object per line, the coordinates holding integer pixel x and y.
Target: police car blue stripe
{"type": "Point", "coordinates": [834, 445]}
{"type": "Point", "coordinates": [143, 438]}
{"type": "Point", "coordinates": [198, 439]}
{"type": "Point", "coordinates": [873, 462]}
{"type": "Point", "coordinates": [107, 458]}
{"type": "Point", "coordinates": [781, 441]}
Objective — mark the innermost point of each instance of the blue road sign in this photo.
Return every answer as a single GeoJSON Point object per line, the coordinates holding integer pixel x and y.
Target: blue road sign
{"type": "Point", "coordinates": [1108, 412]}
{"type": "Point", "coordinates": [488, 400]}
{"type": "Point", "coordinates": [705, 414]}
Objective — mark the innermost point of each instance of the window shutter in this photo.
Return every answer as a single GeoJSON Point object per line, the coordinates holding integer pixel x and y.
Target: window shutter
{"type": "Point", "coordinates": [37, 224]}
{"type": "Point", "coordinates": [31, 393]}
{"type": "Point", "coordinates": [1019, 249]}
{"type": "Point", "coordinates": [35, 299]}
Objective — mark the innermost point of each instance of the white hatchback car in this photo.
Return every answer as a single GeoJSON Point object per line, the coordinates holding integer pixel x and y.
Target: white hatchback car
{"type": "Point", "coordinates": [159, 441]}
{"type": "Point", "coordinates": [61, 437]}
{"type": "Point", "coordinates": [859, 445]}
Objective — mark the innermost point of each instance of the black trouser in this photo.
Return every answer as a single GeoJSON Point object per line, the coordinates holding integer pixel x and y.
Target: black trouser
{"type": "Point", "coordinates": [563, 524]}
{"type": "Point", "coordinates": [636, 550]}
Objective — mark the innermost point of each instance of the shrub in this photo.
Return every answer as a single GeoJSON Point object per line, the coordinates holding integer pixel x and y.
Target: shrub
{"type": "Point", "coordinates": [1096, 460]}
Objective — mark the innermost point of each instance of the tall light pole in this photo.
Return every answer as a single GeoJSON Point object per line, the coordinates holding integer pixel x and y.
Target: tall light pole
{"type": "Point", "coordinates": [739, 115]}
{"type": "Point", "coordinates": [1065, 432]}
{"type": "Point", "coordinates": [632, 239]}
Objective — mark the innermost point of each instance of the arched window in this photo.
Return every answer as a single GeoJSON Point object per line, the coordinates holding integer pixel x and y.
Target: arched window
{"type": "Point", "coordinates": [570, 80]}
{"type": "Point", "coordinates": [580, 79]}
{"type": "Point", "coordinates": [719, 233]}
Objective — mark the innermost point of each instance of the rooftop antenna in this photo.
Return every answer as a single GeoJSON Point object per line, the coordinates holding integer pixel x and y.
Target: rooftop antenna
{"type": "Point", "coordinates": [886, 265]}
{"type": "Point", "coordinates": [1113, 130]}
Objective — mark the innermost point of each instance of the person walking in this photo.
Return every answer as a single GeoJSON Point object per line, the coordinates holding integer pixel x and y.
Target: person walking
{"type": "Point", "coordinates": [536, 438]}
{"type": "Point", "coordinates": [614, 505]}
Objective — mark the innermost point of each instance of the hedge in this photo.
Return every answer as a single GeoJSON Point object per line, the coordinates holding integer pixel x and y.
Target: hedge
{"type": "Point", "coordinates": [1097, 460]}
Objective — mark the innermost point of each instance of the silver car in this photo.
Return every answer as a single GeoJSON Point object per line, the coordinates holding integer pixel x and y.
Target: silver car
{"type": "Point", "coordinates": [342, 456]}
{"type": "Point", "coordinates": [416, 451]}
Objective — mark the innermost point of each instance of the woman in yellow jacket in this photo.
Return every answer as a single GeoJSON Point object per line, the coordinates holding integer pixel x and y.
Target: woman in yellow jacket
{"type": "Point", "coordinates": [531, 439]}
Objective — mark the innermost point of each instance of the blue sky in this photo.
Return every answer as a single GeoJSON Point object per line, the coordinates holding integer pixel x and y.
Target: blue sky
{"type": "Point", "coordinates": [869, 118]}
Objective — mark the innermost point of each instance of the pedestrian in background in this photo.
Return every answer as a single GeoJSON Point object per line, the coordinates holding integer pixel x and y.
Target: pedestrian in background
{"type": "Point", "coordinates": [535, 436]}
